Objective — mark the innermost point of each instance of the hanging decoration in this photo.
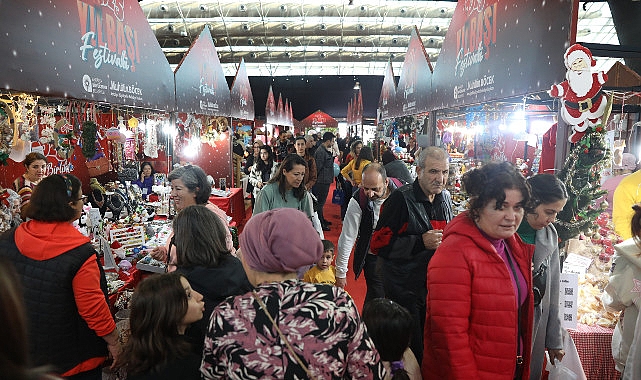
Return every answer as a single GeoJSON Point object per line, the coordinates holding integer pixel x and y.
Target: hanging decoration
{"type": "Point", "coordinates": [88, 134]}
{"type": "Point", "coordinates": [63, 140]}
{"type": "Point", "coordinates": [582, 177]}
{"type": "Point", "coordinates": [583, 100]}
{"type": "Point", "coordinates": [7, 122]}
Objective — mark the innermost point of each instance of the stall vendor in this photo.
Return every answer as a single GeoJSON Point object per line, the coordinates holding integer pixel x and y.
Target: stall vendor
{"type": "Point", "coordinates": [145, 178]}
{"type": "Point", "coordinates": [36, 166]}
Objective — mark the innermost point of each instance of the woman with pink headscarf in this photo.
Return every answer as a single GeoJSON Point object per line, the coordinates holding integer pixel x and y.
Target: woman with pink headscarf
{"type": "Point", "coordinates": [286, 328]}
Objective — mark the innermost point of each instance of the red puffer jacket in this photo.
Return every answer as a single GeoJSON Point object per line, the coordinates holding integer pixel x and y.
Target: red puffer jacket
{"type": "Point", "coordinates": [470, 326]}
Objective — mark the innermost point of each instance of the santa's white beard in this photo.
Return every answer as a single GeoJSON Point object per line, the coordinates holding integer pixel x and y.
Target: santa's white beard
{"type": "Point", "coordinates": [580, 81]}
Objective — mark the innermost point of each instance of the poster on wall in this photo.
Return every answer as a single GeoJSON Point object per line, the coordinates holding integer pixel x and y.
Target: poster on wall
{"type": "Point", "coordinates": [242, 100]}
{"type": "Point", "coordinates": [414, 85]}
{"type": "Point", "coordinates": [102, 51]}
{"type": "Point", "coordinates": [495, 50]}
{"type": "Point", "coordinates": [201, 86]}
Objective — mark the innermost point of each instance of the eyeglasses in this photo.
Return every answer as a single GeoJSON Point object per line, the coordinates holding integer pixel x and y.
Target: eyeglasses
{"type": "Point", "coordinates": [83, 198]}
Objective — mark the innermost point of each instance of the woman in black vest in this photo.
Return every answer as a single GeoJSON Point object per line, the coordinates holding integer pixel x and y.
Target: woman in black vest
{"type": "Point", "coordinates": [65, 291]}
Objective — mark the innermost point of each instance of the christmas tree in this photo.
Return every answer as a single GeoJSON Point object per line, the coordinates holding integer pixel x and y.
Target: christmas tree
{"type": "Point", "coordinates": [581, 174]}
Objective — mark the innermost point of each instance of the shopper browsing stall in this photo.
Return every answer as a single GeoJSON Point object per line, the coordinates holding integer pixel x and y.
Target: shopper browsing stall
{"type": "Point", "coordinates": [70, 324]}
{"type": "Point", "coordinates": [162, 308]}
{"type": "Point", "coordinates": [189, 186]}
{"type": "Point", "coordinates": [548, 199]}
{"type": "Point", "coordinates": [263, 170]}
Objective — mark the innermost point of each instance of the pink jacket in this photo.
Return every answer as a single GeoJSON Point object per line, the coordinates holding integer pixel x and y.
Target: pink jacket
{"type": "Point", "coordinates": [470, 326]}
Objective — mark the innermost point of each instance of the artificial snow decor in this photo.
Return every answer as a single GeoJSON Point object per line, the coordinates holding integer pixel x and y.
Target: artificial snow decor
{"type": "Point", "coordinates": [583, 100]}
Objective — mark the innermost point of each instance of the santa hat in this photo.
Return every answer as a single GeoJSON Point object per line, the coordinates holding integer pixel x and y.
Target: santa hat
{"type": "Point", "coordinates": [577, 51]}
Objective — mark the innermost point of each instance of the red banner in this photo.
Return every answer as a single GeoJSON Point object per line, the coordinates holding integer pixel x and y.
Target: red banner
{"type": "Point", "coordinates": [387, 100]}
{"type": "Point", "coordinates": [102, 51]}
{"type": "Point", "coordinates": [415, 84]}
{"type": "Point", "coordinates": [270, 108]}
{"type": "Point", "coordinates": [201, 86]}
{"type": "Point", "coordinates": [494, 51]}
{"type": "Point", "coordinates": [242, 100]}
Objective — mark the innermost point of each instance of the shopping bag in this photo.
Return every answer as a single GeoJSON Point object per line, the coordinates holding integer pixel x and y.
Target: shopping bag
{"type": "Point", "coordinates": [338, 197]}
{"type": "Point", "coordinates": [98, 167]}
{"type": "Point", "coordinates": [559, 371]}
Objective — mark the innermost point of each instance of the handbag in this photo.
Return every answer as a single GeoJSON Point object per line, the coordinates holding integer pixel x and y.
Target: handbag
{"type": "Point", "coordinates": [98, 167]}
{"type": "Point", "coordinates": [338, 197]}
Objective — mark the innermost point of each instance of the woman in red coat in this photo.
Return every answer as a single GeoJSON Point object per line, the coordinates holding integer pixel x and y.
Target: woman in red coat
{"type": "Point", "coordinates": [479, 301]}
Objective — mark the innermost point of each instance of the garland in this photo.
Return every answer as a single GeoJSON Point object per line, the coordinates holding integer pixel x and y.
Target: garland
{"type": "Point", "coordinates": [89, 129]}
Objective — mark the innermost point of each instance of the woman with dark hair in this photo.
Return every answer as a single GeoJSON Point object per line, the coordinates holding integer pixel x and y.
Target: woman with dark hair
{"type": "Point", "coordinates": [263, 170]}
{"type": "Point", "coordinates": [36, 166]}
{"type": "Point", "coordinates": [621, 294]}
{"type": "Point", "coordinates": [70, 324]}
{"type": "Point", "coordinates": [14, 350]}
{"type": "Point", "coordinates": [145, 179]}
{"type": "Point", "coordinates": [479, 294]}
{"type": "Point", "coordinates": [286, 188]}
{"type": "Point", "coordinates": [162, 307]}
{"type": "Point", "coordinates": [353, 171]}
{"type": "Point", "coordinates": [203, 258]}
{"type": "Point", "coordinates": [354, 150]}
{"type": "Point", "coordinates": [189, 186]}
{"type": "Point", "coordinates": [548, 199]}
{"type": "Point", "coordinates": [390, 326]}
{"type": "Point", "coordinates": [286, 328]}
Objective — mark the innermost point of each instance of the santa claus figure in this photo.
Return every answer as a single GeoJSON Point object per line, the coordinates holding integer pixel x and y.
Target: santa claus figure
{"type": "Point", "coordinates": [583, 100]}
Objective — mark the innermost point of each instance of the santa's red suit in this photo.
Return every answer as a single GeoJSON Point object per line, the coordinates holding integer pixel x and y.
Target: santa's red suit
{"type": "Point", "coordinates": [584, 109]}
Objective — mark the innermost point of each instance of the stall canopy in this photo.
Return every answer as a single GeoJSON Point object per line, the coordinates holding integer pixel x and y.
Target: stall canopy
{"type": "Point", "coordinates": [96, 51]}
{"type": "Point", "coordinates": [387, 100]}
{"type": "Point", "coordinates": [489, 53]}
{"type": "Point", "coordinates": [201, 86]}
{"type": "Point", "coordinates": [355, 109]}
{"type": "Point", "coordinates": [242, 100]}
{"type": "Point", "coordinates": [319, 119]}
{"type": "Point", "coordinates": [621, 78]}
{"type": "Point", "coordinates": [414, 85]}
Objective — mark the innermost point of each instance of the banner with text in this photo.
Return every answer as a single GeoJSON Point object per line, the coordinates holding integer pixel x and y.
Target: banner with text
{"type": "Point", "coordinates": [495, 51]}
{"type": "Point", "coordinates": [414, 85]}
{"type": "Point", "coordinates": [201, 86]}
{"type": "Point", "coordinates": [102, 51]}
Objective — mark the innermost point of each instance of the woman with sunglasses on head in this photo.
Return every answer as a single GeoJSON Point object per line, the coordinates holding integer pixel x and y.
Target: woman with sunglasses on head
{"type": "Point", "coordinates": [65, 291]}
{"type": "Point", "coordinates": [548, 199]}
{"type": "Point", "coordinates": [162, 308]}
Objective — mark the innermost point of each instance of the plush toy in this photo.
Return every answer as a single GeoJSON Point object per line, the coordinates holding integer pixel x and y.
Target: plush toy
{"type": "Point", "coordinates": [583, 100]}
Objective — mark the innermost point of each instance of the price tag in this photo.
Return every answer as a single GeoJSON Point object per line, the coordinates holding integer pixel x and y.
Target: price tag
{"type": "Point", "coordinates": [568, 297]}
{"type": "Point", "coordinates": [578, 264]}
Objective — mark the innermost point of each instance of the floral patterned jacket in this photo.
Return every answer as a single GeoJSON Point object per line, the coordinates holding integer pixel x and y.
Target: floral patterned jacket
{"type": "Point", "coordinates": [320, 322]}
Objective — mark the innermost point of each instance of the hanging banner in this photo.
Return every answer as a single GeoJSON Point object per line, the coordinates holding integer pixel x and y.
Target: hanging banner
{"type": "Point", "coordinates": [387, 100]}
{"type": "Point", "coordinates": [201, 86]}
{"type": "Point", "coordinates": [280, 113]}
{"type": "Point", "coordinates": [414, 86]}
{"type": "Point", "coordinates": [102, 51]}
{"type": "Point", "coordinates": [242, 100]}
{"type": "Point", "coordinates": [270, 108]}
{"type": "Point", "coordinates": [494, 51]}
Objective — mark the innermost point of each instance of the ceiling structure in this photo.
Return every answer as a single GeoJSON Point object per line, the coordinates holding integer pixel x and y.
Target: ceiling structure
{"type": "Point", "coordinates": [327, 37]}
{"type": "Point", "coordinates": [332, 41]}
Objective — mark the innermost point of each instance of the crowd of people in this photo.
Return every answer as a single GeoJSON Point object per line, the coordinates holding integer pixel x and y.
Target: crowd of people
{"type": "Point", "coordinates": [472, 296]}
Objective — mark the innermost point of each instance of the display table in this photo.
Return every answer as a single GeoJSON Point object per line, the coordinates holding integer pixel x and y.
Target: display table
{"type": "Point", "coordinates": [594, 345]}
{"type": "Point", "coordinates": [233, 205]}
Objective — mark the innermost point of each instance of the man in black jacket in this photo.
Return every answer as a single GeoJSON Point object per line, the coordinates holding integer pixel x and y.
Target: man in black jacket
{"type": "Point", "coordinates": [409, 230]}
{"type": "Point", "coordinates": [325, 174]}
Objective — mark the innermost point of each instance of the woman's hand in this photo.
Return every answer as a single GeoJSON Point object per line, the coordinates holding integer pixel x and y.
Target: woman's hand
{"type": "Point", "coordinates": [259, 185]}
{"type": "Point", "coordinates": [159, 253]}
{"type": "Point", "coordinates": [556, 354]}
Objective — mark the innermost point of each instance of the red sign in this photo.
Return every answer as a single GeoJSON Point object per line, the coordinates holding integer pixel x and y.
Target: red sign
{"type": "Point", "coordinates": [498, 50]}
{"type": "Point", "coordinates": [86, 49]}
{"type": "Point", "coordinates": [242, 100]}
{"type": "Point", "coordinates": [415, 84]}
{"type": "Point", "coordinates": [201, 86]}
{"type": "Point", "coordinates": [270, 108]}
{"type": "Point", "coordinates": [387, 100]}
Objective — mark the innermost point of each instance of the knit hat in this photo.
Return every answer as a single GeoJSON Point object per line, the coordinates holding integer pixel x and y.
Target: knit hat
{"type": "Point", "coordinates": [280, 241]}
